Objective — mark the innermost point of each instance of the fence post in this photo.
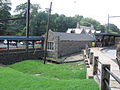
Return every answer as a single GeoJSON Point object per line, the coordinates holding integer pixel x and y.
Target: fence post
{"type": "Point", "coordinates": [104, 76]}
{"type": "Point", "coordinates": [95, 65]}
{"type": "Point", "coordinates": [42, 45]}
{"type": "Point", "coordinates": [84, 54]}
{"type": "Point", "coordinates": [88, 53]}
{"type": "Point", "coordinates": [91, 57]}
{"type": "Point", "coordinates": [8, 47]}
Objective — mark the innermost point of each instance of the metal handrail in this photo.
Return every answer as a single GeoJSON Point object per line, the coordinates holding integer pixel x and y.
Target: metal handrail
{"type": "Point", "coordinates": [113, 75]}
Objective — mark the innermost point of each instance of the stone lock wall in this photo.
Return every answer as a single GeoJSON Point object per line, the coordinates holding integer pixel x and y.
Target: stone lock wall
{"type": "Point", "coordinates": [17, 56]}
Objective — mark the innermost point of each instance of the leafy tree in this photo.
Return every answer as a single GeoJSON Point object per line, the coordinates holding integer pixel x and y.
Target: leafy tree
{"type": "Point", "coordinates": [97, 26]}
{"type": "Point", "coordinates": [61, 23]}
{"type": "Point", "coordinates": [113, 29]}
{"type": "Point", "coordinates": [77, 18]}
{"type": "Point", "coordinates": [110, 31]}
{"type": "Point", "coordinates": [53, 24]}
{"type": "Point", "coordinates": [38, 24]}
{"type": "Point", "coordinates": [101, 28]}
{"type": "Point", "coordinates": [4, 14]}
{"type": "Point", "coordinates": [16, 27]}
{"type": "Point", "coordinates": [4, 10]}
{"type": "Point", "coordinates": [20, 25]}
{"type": "Point", "coordinates": [58, 23]}
{"type": "Point", "coordinates": [22, 9]}
{"type": "Point", "coordinates": [89, 22]}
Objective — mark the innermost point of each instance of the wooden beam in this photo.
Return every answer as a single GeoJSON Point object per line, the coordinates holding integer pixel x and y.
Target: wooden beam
{"type": "Point", "coordinates": [105, 76]}
{"type": "Point", "coordinates": [46, 36]}
{"type": "Point", "coordinates": [4, 20]}
{"type": "Point", "coordinates": [27, 24]}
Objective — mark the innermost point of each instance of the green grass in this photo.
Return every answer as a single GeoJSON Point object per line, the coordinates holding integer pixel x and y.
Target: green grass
{"type": "Point", "coordinates": [60, 71]}
{"type": "Point", "coordinates": [19, 76]}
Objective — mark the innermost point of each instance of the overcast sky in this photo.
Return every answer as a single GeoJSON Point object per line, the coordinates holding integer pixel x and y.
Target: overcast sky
{"type": "Point", "coordinates": [96, 9]}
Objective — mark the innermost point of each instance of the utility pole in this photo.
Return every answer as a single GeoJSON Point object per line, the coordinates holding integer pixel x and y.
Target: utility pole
{"type": "Point", "coordinates": [109, 20]}
{"type": "Point", "coordinates": [46, 35]}
{"type": "Point", "coordinates": [27, 23]}
{"type": "Point", "coordinates": [108, 24]}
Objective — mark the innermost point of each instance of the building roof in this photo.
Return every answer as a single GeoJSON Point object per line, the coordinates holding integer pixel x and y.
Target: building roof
{"type": "Point", "coordinates": [76, 30]}
{"type": "Point", "coordinates": [107, 34]}
{"type": "Point", "coordinates": [80, 29]}
{"type": "Point", "coordinates": [20, 38]}
{"type": "Point", "coordinates": [73, 36]}
{"type": "Point", "coordinates": [83, 32]}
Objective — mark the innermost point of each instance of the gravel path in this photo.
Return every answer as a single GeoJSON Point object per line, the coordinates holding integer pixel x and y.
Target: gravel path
{"type": "Point", "coordinates": [74, 57]}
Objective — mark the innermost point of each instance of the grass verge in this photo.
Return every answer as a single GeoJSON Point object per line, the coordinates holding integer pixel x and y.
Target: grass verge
{"type": "Point", "coordinates": [20, 76]}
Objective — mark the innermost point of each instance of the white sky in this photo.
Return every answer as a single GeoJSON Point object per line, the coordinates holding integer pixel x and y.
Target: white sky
{"type": "Point", "coordinates": [96, 9]}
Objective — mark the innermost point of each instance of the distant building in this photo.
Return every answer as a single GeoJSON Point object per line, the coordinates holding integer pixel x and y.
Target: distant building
{"type": "Point", "coordinates": [107, 39]}
{"type": "Point", "coordinates": [80, 28]}
{"type": "Point", "coordinates": [63, 44]}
